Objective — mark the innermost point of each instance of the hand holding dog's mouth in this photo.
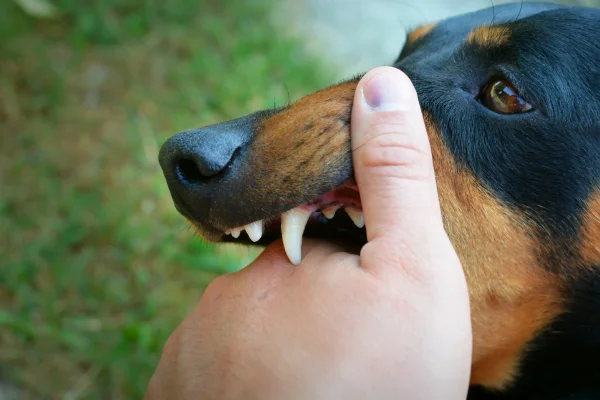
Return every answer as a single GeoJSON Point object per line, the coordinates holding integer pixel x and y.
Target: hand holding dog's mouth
{"type": "Point", "coordinates": [392, 322]}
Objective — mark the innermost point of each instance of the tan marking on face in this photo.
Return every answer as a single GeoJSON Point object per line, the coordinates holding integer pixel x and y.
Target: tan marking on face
{"type": "Point", "coordinates": [590, 232]}
{"type": "Point", "coordinates": [420, 33]}
{"type": "Point", "coordinates": [512, 297]}
{"type": "Point", "coordinates": [304, 143]}
{"type": "Point", "coordinates": [494, 36]}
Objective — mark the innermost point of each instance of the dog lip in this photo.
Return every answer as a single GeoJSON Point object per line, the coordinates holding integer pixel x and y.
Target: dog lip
{"type": "Point", "coordinates": [345, 196]}
{"type": "Point", "coordinates": [347, 227]}
{"type": "Point", "coordinates": [294, 222]}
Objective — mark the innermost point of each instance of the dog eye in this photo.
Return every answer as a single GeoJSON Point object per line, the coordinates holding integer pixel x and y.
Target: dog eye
{"type": "Point", "coordinates": [502, 97]}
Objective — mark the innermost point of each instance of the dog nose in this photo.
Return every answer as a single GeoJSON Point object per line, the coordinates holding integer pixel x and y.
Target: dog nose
{"type": "Point", "coordinates": [192, 157]}
{"type": "Point", "coordinates": [196, 163]}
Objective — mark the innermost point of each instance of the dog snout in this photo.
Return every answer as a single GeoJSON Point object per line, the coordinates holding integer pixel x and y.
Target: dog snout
{"type": "Point", "coordinates": [200, 164]}
{"type": "Point", "coordinates": [196, 160]}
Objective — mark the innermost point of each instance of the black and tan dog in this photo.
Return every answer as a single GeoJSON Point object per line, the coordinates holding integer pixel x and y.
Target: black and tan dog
{"type": "Point", "coordinates": [511, 98]}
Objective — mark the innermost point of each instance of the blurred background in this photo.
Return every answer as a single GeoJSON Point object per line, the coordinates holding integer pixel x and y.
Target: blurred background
{"type": "Point", "coordinates": [96, 267]}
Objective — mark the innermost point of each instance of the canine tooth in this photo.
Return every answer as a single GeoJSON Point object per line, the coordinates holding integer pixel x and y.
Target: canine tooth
{"type": "Point", "coordinates": [329, 212]}
{"type": "Point", "coordinates": [235, 232]}
{"type": "Point", "coordinates": [254, 230]}
{"type": "Point", "coordinates": [293, 223]}
{"type": "Point", "coordinates": [356, 216]}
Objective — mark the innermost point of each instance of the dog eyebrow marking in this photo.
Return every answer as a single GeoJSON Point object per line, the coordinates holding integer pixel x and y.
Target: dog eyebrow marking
{"type": "Point", "coordinates": [420, 32]}
{"type": "Point", "coordinates": [486, 36]}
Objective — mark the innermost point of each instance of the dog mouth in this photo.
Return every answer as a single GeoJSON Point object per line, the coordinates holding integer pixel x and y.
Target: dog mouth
{"type": "Point", "coordinates": [335, 215]}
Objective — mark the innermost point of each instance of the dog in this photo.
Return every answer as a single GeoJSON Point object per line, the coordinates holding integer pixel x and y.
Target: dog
{"type": "Point", "coordinates": [511, 101]}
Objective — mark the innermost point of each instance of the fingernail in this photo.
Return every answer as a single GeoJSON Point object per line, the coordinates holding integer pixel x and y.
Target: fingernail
{"type": "Point", "coordinates": [387, 92]}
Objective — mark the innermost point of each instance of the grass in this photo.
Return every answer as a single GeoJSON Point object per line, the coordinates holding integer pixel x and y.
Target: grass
{"type": "Point", "coordinates": [96, 266]}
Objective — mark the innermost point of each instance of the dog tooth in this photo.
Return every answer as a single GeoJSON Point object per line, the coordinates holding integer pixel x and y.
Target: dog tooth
{"type": "Point", "coordinates": [356, 216]}
{"type": "Point", "coordinates": [235, 232]}
{"type": "Point", "coordinates": [228, 232]}
{"type": "Point", "coordinates": [329, 212]}
{"type": "Point", "coordinates": [293, 223]}
{"type": "Point", "coordinates": [254, 230]}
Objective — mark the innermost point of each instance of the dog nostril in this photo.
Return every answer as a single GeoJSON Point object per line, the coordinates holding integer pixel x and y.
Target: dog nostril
{"type": "Point", "coordinates": [188, 172]}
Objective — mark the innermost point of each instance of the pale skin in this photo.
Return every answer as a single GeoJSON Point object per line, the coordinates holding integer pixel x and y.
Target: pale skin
{"type": "Point", "coordinates": [390, 323]}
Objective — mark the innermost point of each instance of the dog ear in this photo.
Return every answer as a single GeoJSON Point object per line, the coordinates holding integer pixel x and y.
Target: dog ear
{"type": "Point", "coordinates": [414, 38]}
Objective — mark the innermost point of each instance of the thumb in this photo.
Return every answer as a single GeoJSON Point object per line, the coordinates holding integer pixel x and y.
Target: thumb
{"type": "Point", "coordinates": [392, 161]}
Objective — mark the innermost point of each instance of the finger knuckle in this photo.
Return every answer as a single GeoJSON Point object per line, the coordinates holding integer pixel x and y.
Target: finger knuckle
{"type": "Point", "coordinates": [397, 154]}
{"type": "Point", "coordinates": [402, 258]}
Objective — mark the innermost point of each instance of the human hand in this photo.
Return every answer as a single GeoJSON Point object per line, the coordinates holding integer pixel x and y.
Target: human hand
{"type": "Point", "coordinates": [391, 323]}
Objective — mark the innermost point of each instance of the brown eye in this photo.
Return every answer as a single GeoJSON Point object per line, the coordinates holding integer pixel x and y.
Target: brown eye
{"type": "Point", "coordinates": [500, 96]}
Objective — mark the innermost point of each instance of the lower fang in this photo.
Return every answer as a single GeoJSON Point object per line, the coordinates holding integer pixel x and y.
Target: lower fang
{"type": "Point", "coordinates": [356, 216]}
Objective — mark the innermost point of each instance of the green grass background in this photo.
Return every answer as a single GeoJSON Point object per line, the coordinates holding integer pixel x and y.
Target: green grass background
{"type": "Point", "coordinates": [96, 267]}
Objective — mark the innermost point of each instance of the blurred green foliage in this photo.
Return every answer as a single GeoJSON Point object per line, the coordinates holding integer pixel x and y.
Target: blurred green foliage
{"type": "Point", "coordinates": [96, 266]}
